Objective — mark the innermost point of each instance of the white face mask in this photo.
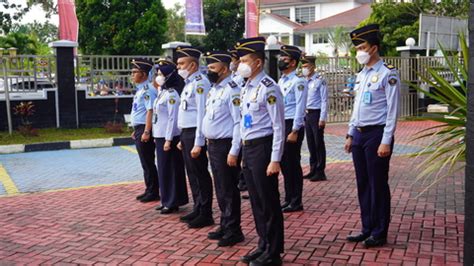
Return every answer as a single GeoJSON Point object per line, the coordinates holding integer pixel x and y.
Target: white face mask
{"type": "Point", "coordinates": [244, 70]}
{"type": "Point", "coordinates": [160, 80]}
{"type": "Point", "coordinates": [363, 57]}
{"type": "Point", "coordinates": [184, 73]}
{"type": "Point", "coordinates": [306, 71]}
{"type": "Point", "coordinates": [233, 66]}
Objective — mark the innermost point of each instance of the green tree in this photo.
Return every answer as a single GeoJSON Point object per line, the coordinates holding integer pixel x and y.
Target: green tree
{"type": "Point", "coordinates": [398, 21]}
{"type": "Point", "coordinates": [121, 27]}
{"type": "Point", "coordinates": [46, 32]}
{"type": "Point", "coordinates": [224, 23]}
{"type": "Point", "coordinates": [176, 23]}
{"type": "Point", "coordinates": [26, 44]}
{"type": "Point", "coordinates": [339, 39]}
{"type": "Point", "coordinates": [11, 14]}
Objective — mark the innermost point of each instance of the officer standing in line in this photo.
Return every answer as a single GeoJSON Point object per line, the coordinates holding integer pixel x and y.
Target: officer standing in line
{"type": "Point", "coordinates": [221, 127]}
{"type": "Point", "coordinates": [262, 131]}
{"type": "Point", "coordinates": [371, 135]}
{"type": "Point", "coordinates": [234, 64]}
{"type": "Point", "coordinates": [171, 173]}
{"type": "Point", "coordinates": [295, 92]}
{"type": "Point", "coordinates": [316, 115]}
{"type": "Point", "coordinates": [142, 112]}
{"type": "Point", "coordinates": [190, 116]}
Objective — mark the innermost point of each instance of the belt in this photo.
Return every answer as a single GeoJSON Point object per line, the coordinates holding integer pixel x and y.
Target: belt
{"type": "Point", "coordinates": [257, 141]}
{"type": "Point", "coordinates": [369, 128]}
{"type": "Point", "coordinates": [312, 110]}
{"type": "Point", "coordinates": [138, 127]}
{"type": "Point", "coordinates": [216, 141]}
{"type": "Point", "coordinates": [188, 129]}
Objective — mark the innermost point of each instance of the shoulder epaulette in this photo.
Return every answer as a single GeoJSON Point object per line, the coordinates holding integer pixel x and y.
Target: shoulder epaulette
{"type": "Point", "coordinates": [198, 77]}
{"type": "Point", "coordinates": [267, 82]}
{"type": "Point", "coordinates": [389, 66]}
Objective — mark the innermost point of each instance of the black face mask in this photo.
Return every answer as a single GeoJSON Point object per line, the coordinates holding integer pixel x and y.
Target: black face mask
{"type": "Point", "coordinates": [282, 65]}
{"type": "Point", "coordinates": [212, 76]}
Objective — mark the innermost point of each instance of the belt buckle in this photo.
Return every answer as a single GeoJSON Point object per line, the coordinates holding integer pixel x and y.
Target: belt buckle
{"type": "Point", "coordinates": [359, 129]}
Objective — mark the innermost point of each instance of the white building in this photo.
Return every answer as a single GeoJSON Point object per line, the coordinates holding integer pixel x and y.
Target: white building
{"type": "Point", "coordinates": [304, 23]}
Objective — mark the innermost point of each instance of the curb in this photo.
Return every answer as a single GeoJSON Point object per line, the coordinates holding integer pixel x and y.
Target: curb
{"type": "Point", "coordinates": [66, 145]}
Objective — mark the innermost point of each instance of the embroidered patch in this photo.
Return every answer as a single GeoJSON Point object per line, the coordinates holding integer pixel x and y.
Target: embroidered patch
{"type": "Point", "coordinates": [147, 97]}
{"type": "Point", "coordinates": [301, 87]}
{"type": "Point", "coordinates": [236, 101]}
{"type": "Point", "coordinates": [172, 101]}
{"type": "Point", "coordinates": [392, 81]}
{"type": "Point", "coordinates": [389, 66]}
{"type": "Point", "coordinates": [198, 77]}
{"type": "Point", "coordinates": [232, 84]}
{"type": "Point", "coordinates": [271, 99]}
{"type": "Point", "coordinates": [200, 90]}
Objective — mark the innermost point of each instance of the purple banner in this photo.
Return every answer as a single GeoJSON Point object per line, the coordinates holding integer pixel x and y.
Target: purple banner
{"type": "Point", "coordinates": [194, 18]}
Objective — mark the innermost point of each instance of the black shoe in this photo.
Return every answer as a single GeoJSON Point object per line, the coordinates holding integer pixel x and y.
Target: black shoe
{"type": "Point", "coordinates": [149, 198]}
{"type": "Point", "coordinates": [231, 239]}
{"type": "Point", "coordinates": [308, 176]}
{"type": "Point", "coordinates": [317, 178]}
{"type": "Point", "coordinates": [245, 196]}
{"type": "Point", "coordinates": [139, 197]}
{"type": "Point", "coordinates": [375, 242]}
{"type": "Point", "coordinates": [167, 210]}
{"type": "Point", "coordinates": [216, 235]}
{"type": "Point", "coordinates": [357, 238]}
{"type": "Point", "coordinates": [251, 256]}
{"type": "Point", "coordinates": [285, 204]}
{"type": "Point", "coordinates": [159, 207]}
{"type": "Point", "coordinates": [266, 259]}
{"type": "Point", "coordinates": [200, 222]}
{"type": "Point", "coordinates": [291, 208]}
{"type": "Point", "coordinates": [189, 217]}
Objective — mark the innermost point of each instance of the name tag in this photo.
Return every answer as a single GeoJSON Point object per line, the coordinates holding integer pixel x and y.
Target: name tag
{"type": "Point", "coordinates": [367, 99]}
{"type": "Point", "coordinates": [135, 106]}
{"type": "Point", "coordinates": [155, 118]}
{"type": "Point", "coordinates": [247, 121]}
{"type": "Point", "coordinates": [184, 105]}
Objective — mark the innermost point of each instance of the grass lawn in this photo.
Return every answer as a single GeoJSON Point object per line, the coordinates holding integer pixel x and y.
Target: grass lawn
{"type": "Point", "coordinates": [55, 134]}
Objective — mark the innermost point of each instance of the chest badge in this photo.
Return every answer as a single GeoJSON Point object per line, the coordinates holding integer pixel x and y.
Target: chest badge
{"type": "Point", "coordinates": [375, 78]}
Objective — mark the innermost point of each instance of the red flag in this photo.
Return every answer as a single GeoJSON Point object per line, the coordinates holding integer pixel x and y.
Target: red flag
{"type": "Point", "coordinates": [68, 24]}
{"type": "Point", "coordinates": [251, 18]}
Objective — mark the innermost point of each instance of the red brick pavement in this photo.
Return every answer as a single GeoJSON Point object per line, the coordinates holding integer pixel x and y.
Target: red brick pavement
{"type": "Point", "coordinates": [107, 226]}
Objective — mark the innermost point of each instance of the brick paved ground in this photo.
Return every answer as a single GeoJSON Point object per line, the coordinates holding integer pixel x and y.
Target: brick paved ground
{"type": "Point", "coordinates": [106, 225]}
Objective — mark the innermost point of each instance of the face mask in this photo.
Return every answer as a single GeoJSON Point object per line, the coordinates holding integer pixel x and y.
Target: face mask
{"type": "Point", "coordinates": [184, 73]}
{"type": "Point", "coordinates": [233, 66]}
{"type": "Point", "coordinates": [244, 70]}
{"type": "Point", "coordinates": [306, 71]}
{"type": "Point", "coordinates": [160, 80]}
{"type": "Point", "coordinates": [282, 65]}
{"type": "Point", "coordinates": [363, 57]}
{"type": "Point", "coordinates": [212, 76]}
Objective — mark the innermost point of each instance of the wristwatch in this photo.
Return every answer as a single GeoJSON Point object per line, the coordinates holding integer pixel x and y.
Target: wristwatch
{"type": "Point", "coordinates": [348, 136]}
{"type": "Point", "coordinates": [146, 132]}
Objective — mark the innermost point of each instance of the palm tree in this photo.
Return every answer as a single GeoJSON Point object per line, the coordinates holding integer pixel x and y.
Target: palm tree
{"type": "Point", "coordinates": [339, 39]}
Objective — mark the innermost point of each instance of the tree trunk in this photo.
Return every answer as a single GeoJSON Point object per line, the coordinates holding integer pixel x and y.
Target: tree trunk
{"type": "Point", "coordinates": [469, 193]}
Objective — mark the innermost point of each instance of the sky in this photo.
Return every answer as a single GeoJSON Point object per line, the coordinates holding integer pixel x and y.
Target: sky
{"type": "Point", "coordinates": [36, 13]}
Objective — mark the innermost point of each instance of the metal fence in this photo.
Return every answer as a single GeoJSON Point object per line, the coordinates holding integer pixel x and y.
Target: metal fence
{"type": "Point", "coordinates": [28, 73]}
{"type": "Point", "coordinates": [105, 75]}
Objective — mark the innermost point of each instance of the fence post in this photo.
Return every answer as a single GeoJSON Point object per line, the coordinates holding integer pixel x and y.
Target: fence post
{"type": "Point", "coordinates": [66, 93]}
{"type": "Point", "coordinates": [170, 49]}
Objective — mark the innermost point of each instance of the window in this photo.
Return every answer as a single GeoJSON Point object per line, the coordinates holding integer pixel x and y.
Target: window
{"type": "Point", "coordinates": [320, 38]}
{"type": "Point", "coordinates": [299, 40]}
{"type": "Point", "coordinates": [282, 12]}
{"type": "Point", "coordinates": [285, 39]}
{"type": "Point", "coordinates": [305, 15]}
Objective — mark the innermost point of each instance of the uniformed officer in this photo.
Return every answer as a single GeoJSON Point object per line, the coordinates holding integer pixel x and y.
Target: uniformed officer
{"type": "Point", "coordinates": [262, 131]}
{"type": "Point", "coordinates": [142, 112]}
{"type": "Point", "coordinates": [371, 135]}
{"type": "Point", "coordinates": [190, 116]}
{"type": "Point", "coordinates": [295, 92]}
{"type": "Point", "coordinates": [234, 64]}
{"type": "Point", "coordinates": [221, 127]}
{"type": "Point", "coordinates": [316, 115]}
{"type": "Point", "coordinates": [166, 133]}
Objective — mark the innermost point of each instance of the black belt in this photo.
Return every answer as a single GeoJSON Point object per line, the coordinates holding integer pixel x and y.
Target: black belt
{"type": "Point", "coordinates": [188, 129]}
{"type": "Point", "coordinates": [216, 141]}
{"type": "Point", "coordinates": [257, 141]}
{"type": "Point", "coordinates": [369, 128]}
{"type": "Point", "coordinates": [312, 110]}
{"type": "Point", "coordinates": [138, 127]}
